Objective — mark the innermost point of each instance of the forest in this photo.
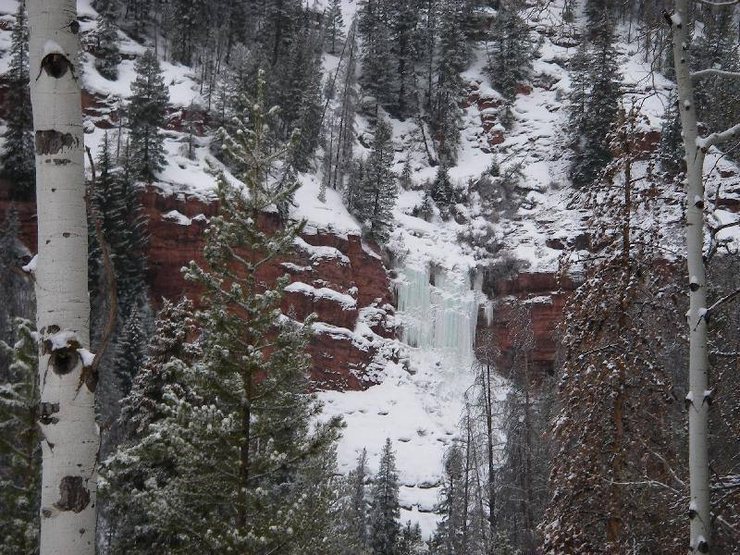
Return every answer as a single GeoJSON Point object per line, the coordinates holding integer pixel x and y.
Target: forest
{"type": "Point", "coordinates": [369, 277]}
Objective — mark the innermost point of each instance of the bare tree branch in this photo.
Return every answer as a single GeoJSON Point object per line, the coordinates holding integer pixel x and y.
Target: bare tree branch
{"type": "Point", "coordinates": [726, 299]}
{"type": "Point", "coordinates": [716, 138]}
{"type": "Point", "coordinates": [715, 72]}
{"type": "Point", "coordinates": [715, 3]}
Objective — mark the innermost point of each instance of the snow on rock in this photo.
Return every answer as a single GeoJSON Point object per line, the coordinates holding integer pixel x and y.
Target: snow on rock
{"type": "Point", "coordinates": [347, 302]}
{"type": "Point", "coordinates": [318, 252]}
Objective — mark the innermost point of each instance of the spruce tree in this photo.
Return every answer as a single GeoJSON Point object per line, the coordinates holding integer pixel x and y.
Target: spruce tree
{"type": "Point", "coordinates": [385, 510]}
{"type": "Point", "coordinates": [353, 526]}
{"type": "Point", "coordinates": [143, 465]}
{"type": "Point", "coordinates": [240, 415]}
{"type": "Point", "coordinates": [615, 445]}
{"type": "Point", "coordinates": [20, 453]}
{"type": "Point", "coordinates": [146, 111]}
{"type": "Point", "coordinates": [449, 89]}
{"type": "Point", "coordinates": [129, 352]}
{"type": "Point", "coordinates": [18, 161]}
{"type": "Point", "coordinates": [450, 536]}
{"type": "Point", "coordinates": [591, 143]}
{"type": "Point", "coordinates": [108, 55]}
{"type": "Point", "coordinates": [671, 142]}
{"type": "Point", "coordinates": [378, 189]}
{"type": "Point", "coordinates": [510, 60]}
{"type": "Point", "coordinates": [444, 194]}
{"type": "Point", "coordinates": [333, 27]}
{"type": "Point", "coordinates": [378, 69]}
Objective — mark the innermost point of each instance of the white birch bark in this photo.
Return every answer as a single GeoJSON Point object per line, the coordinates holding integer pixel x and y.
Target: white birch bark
{"type": "Point", "coordinates": [70, 436]}
{"type": "Point", "coordinates": [698, 403]}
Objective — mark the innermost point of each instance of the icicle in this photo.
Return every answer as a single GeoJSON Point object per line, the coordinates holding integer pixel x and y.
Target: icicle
{"type": "Point", "coordinates": [441, 316]}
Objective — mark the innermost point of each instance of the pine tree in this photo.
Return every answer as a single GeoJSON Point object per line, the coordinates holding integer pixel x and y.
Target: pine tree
{"type": "Point", "coordinates": [146, 112]}
{"type": "Point", "coordinates": [377, 59]}
{"type": "Point", "coordinates": [108, 55]}
{"type": "Point", "coordinates": [385, 510]}
{"type": "Point", "coordinates": [20, 453]}
{"type": "Point", "coordinates": [510, 60]}
{"type": "Point", "coordinates": [18, 162]}
{"type": "Point", "coordinates": [129, 352]}
{"type": "Point", "coordinates": [353, 526]}
{"type": "Point", "coordinates": [333, 27]}
{"type": "Point", "coordinates": [188, 25]}
{"type": "Point", "coordinates": [404, 16]}
{"type": "Point", "coordinates": [142, 462]}
{"type": "Point", "coordinates": [717, 99]}
{"type": "Point", "coordinates": [671, 142]}
{"type": "Point", "coordinates": [240, 415]}
{"type": "Point", "coordinates": [450, 536]}
{"type": "Point", "coordinates": [378, 189]}
{"type": "Point", "coordinates": [410, 541]}
{"type": "Point", "coordinates": [590, 141]}
{"type": "Point", "coordinates": [443, 192]}
{"type": "Point", "coordinates": [446, 113]}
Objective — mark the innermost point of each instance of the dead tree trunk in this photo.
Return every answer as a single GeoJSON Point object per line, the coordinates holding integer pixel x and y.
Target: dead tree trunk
{"type": "Point", "coordinates": [66, 416]}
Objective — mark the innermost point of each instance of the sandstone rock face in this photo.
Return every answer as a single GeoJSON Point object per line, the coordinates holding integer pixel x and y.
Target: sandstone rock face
{"type": "Point", "coordinates": [546, 298]}
{"type": "Point", "coordinates": [339, 278]}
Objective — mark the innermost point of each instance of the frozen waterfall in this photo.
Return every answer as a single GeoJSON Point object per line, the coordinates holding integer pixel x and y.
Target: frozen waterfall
{"type": "Point", "coordinates": [438, 309]}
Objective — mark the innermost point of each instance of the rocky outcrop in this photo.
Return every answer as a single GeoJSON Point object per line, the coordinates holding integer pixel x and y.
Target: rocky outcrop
{"type": "Point", "coordinates": [545, 297]}
{"type": "Point", "coordinates": [335, 277]}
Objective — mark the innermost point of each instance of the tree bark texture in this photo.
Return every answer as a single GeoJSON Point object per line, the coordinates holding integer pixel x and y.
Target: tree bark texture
{"type": "Point", "coordinates": [697, 400]}
{"type": "Point", "coordinates": [70, 437]}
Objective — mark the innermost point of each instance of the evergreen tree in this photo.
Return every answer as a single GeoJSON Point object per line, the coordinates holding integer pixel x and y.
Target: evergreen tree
{"type": "Point", "coordinates": [188, 25]}
{"type": "Point", "coordinates": [443, 192]}
{"type": "Point", "coordinates": [20, 454]}
{"type": "Point", "coordinates": [117, 205]}
{"type": "Point", "coordinates": [17, 159]}
{"type": "Point", "coordinates": [449, 89]}
{"type": "Point", "coordinates": [410, 541]}
{"type": "Point", "coordinates": [147, 108]}
{"type": "Point", "coordinates": [333, 27]}
{"type": "Point", "coordinates": [240, 415]}
{"type": "Point", "coordinates": [353, 525]}
{"type": "Point", "coordinates": [128, 356]}
{"type": "Point", "coordinates": [404, 17]}
{"type": "Point", "coordinates": [591, 143]}
{"type": "Point", "coordinates": [377, 59]}
{"type": "Point", "coordinates": [671, 142]}
{"type": "Point", "coordinates": [143, 463]}
{"type": "Point", "coordinates": [108, 55]}
{"type": "Point", "coordinates": [450, 536]}
{"type": "Point", "coordinates": [378, 189]}
{"type": "Point", "coordinates": [510, 61]}
{"type": "Point", "coordinates": [718, 98]}
{"type": "Point", "coordinates": [385, 510]}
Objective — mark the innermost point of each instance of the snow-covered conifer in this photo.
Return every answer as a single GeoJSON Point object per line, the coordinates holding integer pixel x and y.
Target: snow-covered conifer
{"type": "Point", "coordinates": [20, 453]}
{"type": "Point", "coordinates": [146, 112]}
{"type": "Point", "coordinates": [385, 513]}
{"type": "Point", "coordinates": [333, 27]}
{"type": "Point", "coordinates": [106, 48]}
{"type": "Point", "coordinates": [17, 157]}
{"type": "Point", "coordinates": [511, 52]}
{"type": "Point", "coordinates": [378, 189]}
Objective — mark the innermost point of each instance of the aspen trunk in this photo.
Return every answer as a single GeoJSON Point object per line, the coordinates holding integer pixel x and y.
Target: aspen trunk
{"type": "Point", "coordinates": [67, 419]}
{"type": "Point", "coordinates": [698, 405]}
